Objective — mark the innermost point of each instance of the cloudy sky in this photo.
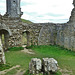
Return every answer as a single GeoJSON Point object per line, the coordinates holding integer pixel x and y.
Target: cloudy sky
{"type": "Point", "coordinates": [57, 11]}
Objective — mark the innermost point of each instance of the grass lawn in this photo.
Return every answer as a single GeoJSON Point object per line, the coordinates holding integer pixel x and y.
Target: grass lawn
{"type": "Point", "coordinates": [65, 58]}
{"type": "Point", "coordinates": [26, 21]}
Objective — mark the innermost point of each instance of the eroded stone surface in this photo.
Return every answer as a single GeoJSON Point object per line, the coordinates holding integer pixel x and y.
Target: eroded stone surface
{"type": "Point", "coordinates": [49, 65]}
{"type": "Point", "coordinates": [35, 66]}
{"type": "Point", "coordinates": [2, 55]}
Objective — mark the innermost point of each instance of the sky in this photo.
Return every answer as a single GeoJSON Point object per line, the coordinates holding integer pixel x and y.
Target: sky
{"type": "Point", "coordinates": [41, 11]}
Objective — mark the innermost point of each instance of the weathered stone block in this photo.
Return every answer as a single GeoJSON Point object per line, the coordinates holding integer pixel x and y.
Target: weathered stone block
{"type": "Point", "coordinates": [35, 66]}
{"type": "Point", "coordinates": [49, 64]}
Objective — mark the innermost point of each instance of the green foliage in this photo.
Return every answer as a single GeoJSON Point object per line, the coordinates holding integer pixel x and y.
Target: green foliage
{"type": "Point", "coordinates": [15, 48]}
{"type": "Point", "coordinates": [26, 21]}
{"type": "Point", "coordinates": [3, 67]}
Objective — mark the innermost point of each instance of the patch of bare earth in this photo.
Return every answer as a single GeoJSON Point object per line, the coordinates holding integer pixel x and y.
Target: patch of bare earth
{"type": "Point", "coordinates": [65, 71]}
{"type": "Point", "coordinates": [20, 72]}
{"type": "Point", "coordinates": [29, 51]}
{"type": "Point", "coordinates": [7, 70]}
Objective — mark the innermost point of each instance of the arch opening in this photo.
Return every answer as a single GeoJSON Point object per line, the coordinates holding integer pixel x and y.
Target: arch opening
{"type": "Point", "coordinates": [26, 38]}
{"type": "Point", "coordinates": [4, 37]}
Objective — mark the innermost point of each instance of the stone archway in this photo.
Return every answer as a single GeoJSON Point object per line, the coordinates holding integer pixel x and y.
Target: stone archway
{"type": "Point", "coordinates": [46, 36]}
{"type": "Point", "coordinates": [26, 38]}
{"type": "Point", "coordinates": [4, 34]}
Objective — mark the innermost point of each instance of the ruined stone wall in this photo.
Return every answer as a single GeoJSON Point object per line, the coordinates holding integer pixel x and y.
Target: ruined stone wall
{"type": "Point", "coordinates": [69, 37]}
{"type": "Point", "coordinates": [47, 34]}
{"type": "Point", "coordinates": [69, 31]}
{"type": "Point", "coordinates": [39, 33]}
{"type": "Point", "coordinates": [17, 28]}
{"type": "Point", "coordinates": [58, 34]}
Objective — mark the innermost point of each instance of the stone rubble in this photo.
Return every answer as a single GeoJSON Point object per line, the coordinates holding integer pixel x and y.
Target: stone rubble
{"type": "Point", "coordinates": [35, 66]}
{"type": "Point", "coordinates": [47, 65]}
{"type": "Point", "coordinates": [2, 55]}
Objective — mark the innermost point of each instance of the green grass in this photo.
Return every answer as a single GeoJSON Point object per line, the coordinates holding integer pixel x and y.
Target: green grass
{"type": "Point", "coordinates": [65, 58]}
{"type": "Point", "coordinates": [11, 72]}
{"type": "Point", "coordinates": [27, 73]}
{"type": "Point", "coordinates": [26, 21]}
{"type": "Point", "coordinates": [3, 67]}
{"type": "Point", "coordinates": [18, 58]}
{"type": "Point", "coordinates": [15, 48]}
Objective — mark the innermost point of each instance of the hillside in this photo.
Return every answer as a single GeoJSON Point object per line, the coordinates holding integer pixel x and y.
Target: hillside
{"type": "Point", "coordinates": [26, 21]}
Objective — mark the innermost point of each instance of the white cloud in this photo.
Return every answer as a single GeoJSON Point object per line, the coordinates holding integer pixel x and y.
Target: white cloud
{"type": "Point", "coordinates": [42, 7]}
{"type": "Point", "coordinates": [2, 7]}
{"type": "Point", "coordinates": [44, 10]}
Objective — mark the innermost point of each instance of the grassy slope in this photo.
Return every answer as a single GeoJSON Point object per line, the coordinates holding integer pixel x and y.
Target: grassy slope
{"type": "Point", "coordinates": [66, 59]}
{"type": "Point", "coordinates": [26, 21]}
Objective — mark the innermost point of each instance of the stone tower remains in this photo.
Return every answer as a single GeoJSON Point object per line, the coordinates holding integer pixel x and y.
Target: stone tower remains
{"type": "Point", "coordinates": [13, 8]}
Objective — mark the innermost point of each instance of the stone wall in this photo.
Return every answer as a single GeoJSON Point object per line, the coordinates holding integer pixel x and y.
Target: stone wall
{"type": "Point", "coordinates": [47, 34]}
{"type": "Point", "coordinates": [17, 28]}
{"type": "Point", "coordinates": [39, 33]}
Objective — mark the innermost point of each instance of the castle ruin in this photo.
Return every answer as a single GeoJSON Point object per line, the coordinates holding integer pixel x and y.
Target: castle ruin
{"type": "Point", "coordinates": [12, 29]}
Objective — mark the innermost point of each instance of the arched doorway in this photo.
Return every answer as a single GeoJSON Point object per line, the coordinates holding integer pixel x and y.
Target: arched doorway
{"type": "Point", "coordinates": [26, 38]}
{"type": "Point", "coordinates": [4, 37]}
